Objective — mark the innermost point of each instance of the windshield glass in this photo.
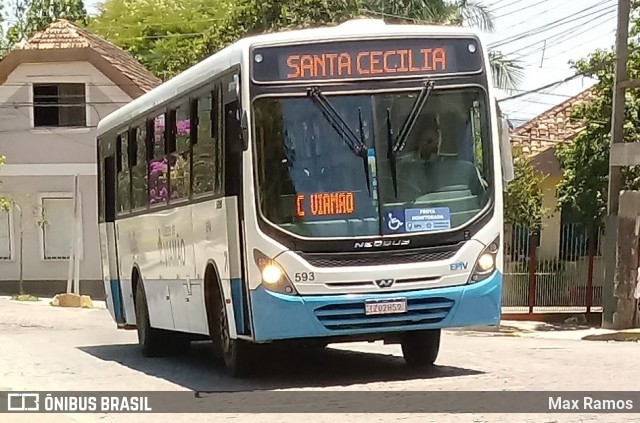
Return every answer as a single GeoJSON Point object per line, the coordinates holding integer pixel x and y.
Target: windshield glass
{"type": "Point", "coordinates": [312, 183]}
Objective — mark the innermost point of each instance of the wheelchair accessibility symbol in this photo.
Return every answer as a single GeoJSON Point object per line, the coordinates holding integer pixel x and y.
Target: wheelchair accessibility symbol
{"type": "Point", "coordinates": [393, 223]}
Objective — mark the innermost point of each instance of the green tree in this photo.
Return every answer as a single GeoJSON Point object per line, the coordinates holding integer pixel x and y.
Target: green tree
{"type": "Point", "coordinates": [585, 160]}
{"type": "Point", "coordinates": [523, 197]}
{"type": "Point", "coordinates": [164, 35]}
{"type": "Point", "coordinates": [168, 37]}
{"type": "Point", "coordinates": [31, 16]}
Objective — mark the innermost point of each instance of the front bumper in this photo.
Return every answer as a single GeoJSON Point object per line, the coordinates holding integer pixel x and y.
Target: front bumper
{"type": "Point", "coordinates": [278, 317]}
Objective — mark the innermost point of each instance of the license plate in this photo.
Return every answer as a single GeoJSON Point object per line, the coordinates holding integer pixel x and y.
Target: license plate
{"type": "Point", "coordinates": [385, 307]}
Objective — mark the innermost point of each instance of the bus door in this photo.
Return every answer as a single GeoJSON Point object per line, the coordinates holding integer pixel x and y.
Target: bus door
{"type": "Point", "coordinates": [108, 245]}
{"type": "Point", "coordinates": [233, 183]}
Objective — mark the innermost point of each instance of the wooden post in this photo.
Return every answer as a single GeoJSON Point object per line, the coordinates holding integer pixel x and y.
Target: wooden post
{"type": "Point", "coordinates": [592, 252]}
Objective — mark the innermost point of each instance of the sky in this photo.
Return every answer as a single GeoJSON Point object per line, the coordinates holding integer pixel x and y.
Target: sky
{"type": "Point", "coordinates": [544, 35]}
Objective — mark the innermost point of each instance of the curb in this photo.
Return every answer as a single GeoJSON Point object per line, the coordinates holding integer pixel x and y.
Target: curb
{"type": "Point", "coordinates": [622, 336]}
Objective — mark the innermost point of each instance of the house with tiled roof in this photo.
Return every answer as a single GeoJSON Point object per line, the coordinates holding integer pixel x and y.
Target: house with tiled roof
{"type": "Point", "coordinates": [53, 91]}
{"type": "Point", "coordinates": [538, 139]}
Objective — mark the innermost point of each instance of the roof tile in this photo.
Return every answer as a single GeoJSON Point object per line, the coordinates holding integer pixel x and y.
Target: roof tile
{"type": "Point", "coordinates": [550, 128]}
{"type": "Point", "coordinates": [63, 34]}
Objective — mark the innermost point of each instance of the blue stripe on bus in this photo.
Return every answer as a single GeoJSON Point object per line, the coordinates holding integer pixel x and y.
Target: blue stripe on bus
{"type": "Point", "coordinates": [237, 299]}
{"type": "Point", "coordinates": [117, 304]}
{"type": "Point", "coordinates": [279, 316]}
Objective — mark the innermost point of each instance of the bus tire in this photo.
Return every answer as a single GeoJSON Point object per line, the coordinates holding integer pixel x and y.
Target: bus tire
{"type": "Point", "coordinates": [150, 339]}
{"type": "Point", "coordinates": [237, 353]}
{"type": "Point", "coordinates": [420, 349]}
{"type": "Point", "coordinates": [234, 353]}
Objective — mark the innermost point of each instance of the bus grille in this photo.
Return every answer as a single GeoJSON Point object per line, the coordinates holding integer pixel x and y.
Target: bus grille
{"type": "Point", "coordinates": [349, 316]}
{"type": "Point", "coordinates": [378, 258]}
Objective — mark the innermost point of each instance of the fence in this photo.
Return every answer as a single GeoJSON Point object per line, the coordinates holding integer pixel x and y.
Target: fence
{"type": "Point", "coordinates": [567, 280]}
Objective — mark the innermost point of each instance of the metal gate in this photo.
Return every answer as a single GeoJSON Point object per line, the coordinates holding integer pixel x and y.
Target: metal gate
{"type": "Point", "coordinates": [564, 279]}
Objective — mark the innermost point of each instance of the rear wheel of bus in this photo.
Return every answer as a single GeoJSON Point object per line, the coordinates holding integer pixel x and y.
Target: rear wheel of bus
{"type": "Point", "coordinates": [235, 353]}
{"type": "Point", "coordinates": [420, 349]}
{"type": "Point", "coordinates": [150, 339]}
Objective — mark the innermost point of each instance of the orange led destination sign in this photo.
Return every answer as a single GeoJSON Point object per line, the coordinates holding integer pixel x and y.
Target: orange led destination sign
{"type": "Point", "coordinates": [326, 65]}
{"type": "Point", "coordinates": [366, 59]}
{"type": "Point", "coordinates": [325, 204]}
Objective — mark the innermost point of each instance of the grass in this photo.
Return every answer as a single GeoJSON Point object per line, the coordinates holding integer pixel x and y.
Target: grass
{"type": "Point", "coordinates": [24, 297]}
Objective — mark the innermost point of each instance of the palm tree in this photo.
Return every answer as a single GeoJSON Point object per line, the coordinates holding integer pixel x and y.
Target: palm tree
{"type": "Point", "coordinates": [507, 73]}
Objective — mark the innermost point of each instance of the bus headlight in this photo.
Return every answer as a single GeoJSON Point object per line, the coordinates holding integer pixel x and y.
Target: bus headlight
{"type": "Point", "coordinates": [486, 263]}
{"type": "Point", "coordinates": [273, 276]}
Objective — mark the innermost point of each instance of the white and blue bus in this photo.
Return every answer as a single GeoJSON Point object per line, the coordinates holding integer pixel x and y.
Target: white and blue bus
{"type": "Point", "coordinates": [324, 185]}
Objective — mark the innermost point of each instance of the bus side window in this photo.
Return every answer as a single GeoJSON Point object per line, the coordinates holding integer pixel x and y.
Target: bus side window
{"type": "Point", "coordinates": [123, 182]}
{"type": "Point", "coordinates": [179, 153]}
{"type": "Point", "coordinates": [207, 151]}
{"type": "Point", "coordinates": [158, 183]}
{"type": "Point", "coordinates": [138, 168]}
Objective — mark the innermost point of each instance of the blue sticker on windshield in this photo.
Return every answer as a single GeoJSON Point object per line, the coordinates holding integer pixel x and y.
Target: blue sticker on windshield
{"type": "Point", "coordinates": [427, 219]}
{"type": "Point", "coordinates": [394, 221]}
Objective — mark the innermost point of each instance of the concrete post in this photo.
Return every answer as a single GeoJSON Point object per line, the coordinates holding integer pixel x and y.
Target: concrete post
{"type": "Point", "coordinates": [624, 316]}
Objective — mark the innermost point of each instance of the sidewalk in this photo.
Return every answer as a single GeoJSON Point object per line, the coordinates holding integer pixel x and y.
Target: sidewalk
{"type": "Point", "coordinates": [42, 301]}
{"type": "Point", "coordinates": [565, 331]}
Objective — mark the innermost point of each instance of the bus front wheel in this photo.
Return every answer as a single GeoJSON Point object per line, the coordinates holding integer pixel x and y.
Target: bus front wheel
{"type": "Point", "coordinates": [420, 349]}
{"type": "Point", "coordinates": [235, 353]}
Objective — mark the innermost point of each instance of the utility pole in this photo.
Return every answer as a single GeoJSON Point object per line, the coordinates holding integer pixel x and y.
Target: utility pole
{"type": "Point", "coordinates": [617, 114]}
{"type": "Point", "coordinates": [619, 248]}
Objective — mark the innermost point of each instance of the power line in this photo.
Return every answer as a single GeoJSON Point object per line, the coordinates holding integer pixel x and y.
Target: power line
{"type": "Point", "coordinates": [507, 5]}
{"type": "Point", "coordinates": [538, 15]}
{"type": "Point", "coordinates": [522, 8]}
{"type": "Point", "coordinates": [552, 25]}
{"type": "Point", "coordinates": [563, 36]}
{"type": "Point", "coordinates": [613, 31]}
{"type": "Point", "coordinates": [553, 84]}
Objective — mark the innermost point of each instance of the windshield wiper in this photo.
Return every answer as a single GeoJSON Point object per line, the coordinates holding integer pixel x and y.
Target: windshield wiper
{"type": "Point", "coordinates": [394, 146]}
{"type": "Point", "coordinates": [410, 122]}
{"type": "Point", "coordinates": [356, 144]}
{"type": "Point", "coordinates": [391, 156]}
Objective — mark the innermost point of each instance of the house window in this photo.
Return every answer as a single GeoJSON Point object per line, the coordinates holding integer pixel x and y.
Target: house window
{"type": "Point", "coordinates": [57, 227]}
{"type": "Point", "coordinates": [59, 105]}
{"type": "Point", "coordinates": [5, 235]}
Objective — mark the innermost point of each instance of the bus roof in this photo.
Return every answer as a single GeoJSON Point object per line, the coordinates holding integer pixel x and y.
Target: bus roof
{"type": "Point", "coordinates": [199, 73]}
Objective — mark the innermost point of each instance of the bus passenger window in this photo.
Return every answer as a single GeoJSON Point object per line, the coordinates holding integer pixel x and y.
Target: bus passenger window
{"type": "Point", "coordinates": [124, 184]}
{"type": "Point", "coordinates": [158, 189]}
{"type": "Point", "coordinates": [138, 168]}
{"type": "Point", "coordinates": [180, 159]}
{"type": "Point", "coordinates": [207, 151]}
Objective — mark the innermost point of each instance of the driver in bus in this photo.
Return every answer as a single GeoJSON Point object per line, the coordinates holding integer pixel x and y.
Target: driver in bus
{"type": "Point", "coordinates": [430, 139]}
{"type": "Point", "coordinates": [424, 143]}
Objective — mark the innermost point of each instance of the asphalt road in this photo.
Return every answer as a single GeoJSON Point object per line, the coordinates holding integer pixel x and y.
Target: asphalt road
{"type": "Point", "coordinates": [53, 349]}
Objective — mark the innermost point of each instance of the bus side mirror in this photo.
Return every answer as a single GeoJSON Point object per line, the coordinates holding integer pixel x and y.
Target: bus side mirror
{"type": "Point", "coordinates": [244, 131]}
{"type": "Point", "coordinates": [506, 154]}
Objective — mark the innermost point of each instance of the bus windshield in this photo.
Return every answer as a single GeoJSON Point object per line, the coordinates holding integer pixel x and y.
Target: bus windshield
{"type": "Point", "coordinates": [314, 184]}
